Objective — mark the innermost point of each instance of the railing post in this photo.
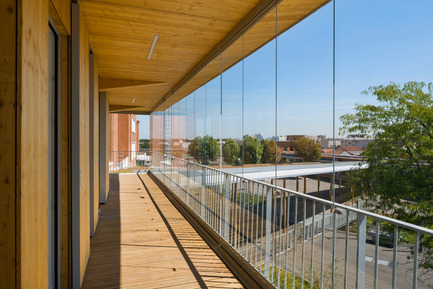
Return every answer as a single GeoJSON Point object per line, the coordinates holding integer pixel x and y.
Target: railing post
{"type": "Point", "coordinates": [362, 228]}
{"type": "Point", "coordinates": [203, 194]}
{"type": "Point", "coordinates": [226, 230]}
{"type": "Point", "coordinates": [188, 178]}
{"type": "Point", "coordinates": [268, 234]}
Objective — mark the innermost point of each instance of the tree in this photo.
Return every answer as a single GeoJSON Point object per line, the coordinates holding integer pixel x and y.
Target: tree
{"type": "Point", "coordinates": [193, 148]}
{"type": "Point", "coordinates": [144, 143]}
{"type": "Point", "coordinates": [308, 149]}
{"type": "Point", "coordinates": [399, 159]}
{"type": "Point", "coordinates": [204, 149]}
{"type": "Point", "coordinates": [271, 154]}
{"type": "Point", "coordinates": [230, 151]}
{"type": "Point", "coordinates": [253, 150]}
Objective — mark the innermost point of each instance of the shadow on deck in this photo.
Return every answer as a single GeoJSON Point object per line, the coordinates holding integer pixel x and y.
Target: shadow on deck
{"type": "Point", "coordinates": [142, 241]}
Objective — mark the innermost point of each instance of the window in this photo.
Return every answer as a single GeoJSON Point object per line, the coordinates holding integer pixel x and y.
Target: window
{"type": "Point", "coordinates": [133, 151]}
{"type": "Point", "coordinates": [53, 158]}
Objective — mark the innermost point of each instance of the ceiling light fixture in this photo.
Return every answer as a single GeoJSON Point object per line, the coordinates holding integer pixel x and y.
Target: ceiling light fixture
{"type": "Point", "coordinates": [133, 100]}
{"type": "Point", "coordinates": [152, 47]}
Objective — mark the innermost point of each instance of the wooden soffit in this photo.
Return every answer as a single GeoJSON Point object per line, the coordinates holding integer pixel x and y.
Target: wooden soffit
{"type": "Point", "coordinates": [191, 34]}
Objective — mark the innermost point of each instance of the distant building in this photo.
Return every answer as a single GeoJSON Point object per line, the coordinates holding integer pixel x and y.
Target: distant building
{"type": "Point", "coordinates": [258, 136]}
{"type": "Point", "coordinates": [329, 142]}
{"type": "Point", "coordinates": [345, 151]}
{"type": "Point", "coordinates": [288, 145]}
{"type": "Point", "coordinates": [123, 139]}
{"type": "Point", "coordinates": [356, 140]}
{"type": "Point", "coordinates": [239, 141]}
{"type": "Point", "coordinates": [321, 137]}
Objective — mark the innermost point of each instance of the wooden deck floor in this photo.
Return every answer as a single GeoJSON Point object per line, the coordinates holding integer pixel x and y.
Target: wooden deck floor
{"type": "Point", "coordinates": [142, 241]}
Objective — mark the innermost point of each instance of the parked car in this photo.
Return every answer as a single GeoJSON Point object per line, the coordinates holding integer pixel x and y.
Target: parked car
{"type": "Point", "coordinates": [385, 238]}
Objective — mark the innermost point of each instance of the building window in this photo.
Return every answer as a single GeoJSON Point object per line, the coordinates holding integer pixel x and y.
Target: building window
{"type": "Point", "coordinates": [133, 151]}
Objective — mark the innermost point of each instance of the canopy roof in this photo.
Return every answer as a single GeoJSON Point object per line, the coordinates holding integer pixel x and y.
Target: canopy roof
{"type": "Point", "coordinates": [191, 34]}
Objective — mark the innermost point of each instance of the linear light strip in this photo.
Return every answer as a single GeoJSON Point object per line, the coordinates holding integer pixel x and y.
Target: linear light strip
{"type": "Point", "coordinates": [152, 47]}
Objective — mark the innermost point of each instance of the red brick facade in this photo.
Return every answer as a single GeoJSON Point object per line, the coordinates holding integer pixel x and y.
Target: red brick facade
{"type": "Point", "coordinates": [288, 145]}
{"type": "Point", "coordinates": [124, 136]}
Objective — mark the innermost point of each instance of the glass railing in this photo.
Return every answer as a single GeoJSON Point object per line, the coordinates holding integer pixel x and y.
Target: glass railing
{"type": "Point", "coordinates": [297, 240]}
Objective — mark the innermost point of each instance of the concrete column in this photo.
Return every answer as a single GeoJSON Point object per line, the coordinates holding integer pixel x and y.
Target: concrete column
{"type": "Point", "coordinates": [361, 232]}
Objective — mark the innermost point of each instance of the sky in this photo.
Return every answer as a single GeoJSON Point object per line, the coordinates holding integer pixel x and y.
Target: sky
{"type": "Point", "coordinates": [144, 126]}
{"type": "Point", "coordinates": [376, 42]}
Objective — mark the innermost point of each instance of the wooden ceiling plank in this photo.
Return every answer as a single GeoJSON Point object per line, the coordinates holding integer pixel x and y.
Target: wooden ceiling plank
{"type": "Point", "coordinates": [138, 14]}
{"type": "Point", "coordinates": [247, 22]}
{"type": "Point", "coordinates": [116, 108]}
{"type": "Point", "coordinates": [210, 9]}
{"type": "Point", "coordinates": [121, 29]}
{"type": "Point", "coordinates": [192, 33]}
{"type": "Point", "coordinates": [106, 84]}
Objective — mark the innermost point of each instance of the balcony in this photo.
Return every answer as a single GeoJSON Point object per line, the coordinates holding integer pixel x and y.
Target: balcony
{"type": "Point", "coordinates": [142, 241]}
{"type": "Point", "coordinates": [286, 237]}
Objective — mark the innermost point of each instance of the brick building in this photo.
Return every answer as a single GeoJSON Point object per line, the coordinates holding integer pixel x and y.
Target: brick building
{"type": "Point", "coordinates": [288, 145]}
{"type": "Point", "coordinates": [123, 139]}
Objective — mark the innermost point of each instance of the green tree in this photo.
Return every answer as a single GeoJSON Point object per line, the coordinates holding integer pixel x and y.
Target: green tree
{"type": "Point", "coordinates": [400, 171]}
{"type": "Point", "coordinates": [144, 143]}
{"type": "Point", "coordinates": [308, 149]}
{"type": "Point", "coordinates": [204, 149]}
{"type": "Point", "coordinates": [193, 148]}
{"type": "Point", "coordinates": [230, 151]}
{"type": "Point", "coordinates": [270, 152]}
{"type": "Point", "coordinates": [253, 150]}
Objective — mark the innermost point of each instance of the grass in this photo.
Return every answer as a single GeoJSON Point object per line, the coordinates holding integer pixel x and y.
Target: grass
{"type": "Point", "coordinates": [276, 271]}
{"type": "Point", "coordinates": [327, 277]}
{"type": "Point", "coordinates": [246, 198]}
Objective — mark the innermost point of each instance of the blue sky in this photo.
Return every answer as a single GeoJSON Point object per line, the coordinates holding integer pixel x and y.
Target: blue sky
{"type": "Point", "coordinates": [376, 42]}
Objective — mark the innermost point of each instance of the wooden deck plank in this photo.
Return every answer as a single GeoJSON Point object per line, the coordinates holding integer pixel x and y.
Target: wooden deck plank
{"type": "Point", "coordinates": [142, 241]}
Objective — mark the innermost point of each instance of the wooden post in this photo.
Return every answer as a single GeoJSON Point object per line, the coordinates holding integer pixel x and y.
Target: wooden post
{"type": "Point", "coordinates": [284, 183]}
{"type": "Point", "coordinates": [318, 183]}
{"type": "Point", "coordinates": [297, 183]}
{"type": "Point", "coordinates": [305, 185]}
{"type": "Point", "coordinates": [272, 181]}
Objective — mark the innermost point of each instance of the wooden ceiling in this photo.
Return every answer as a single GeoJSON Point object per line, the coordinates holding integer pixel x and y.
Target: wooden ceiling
{"type": "Point", "coordinates": [121, 33]}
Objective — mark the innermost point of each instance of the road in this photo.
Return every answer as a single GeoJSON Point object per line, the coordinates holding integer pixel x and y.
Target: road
{"type": "Point", "coordinates": [404, 265]}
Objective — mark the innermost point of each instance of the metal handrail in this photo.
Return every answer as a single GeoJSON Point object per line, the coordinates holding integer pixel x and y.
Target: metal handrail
{"type": "Point", "coordinates": [313, 198]}
{"type": "Point", "coordinates": [244, 213]}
